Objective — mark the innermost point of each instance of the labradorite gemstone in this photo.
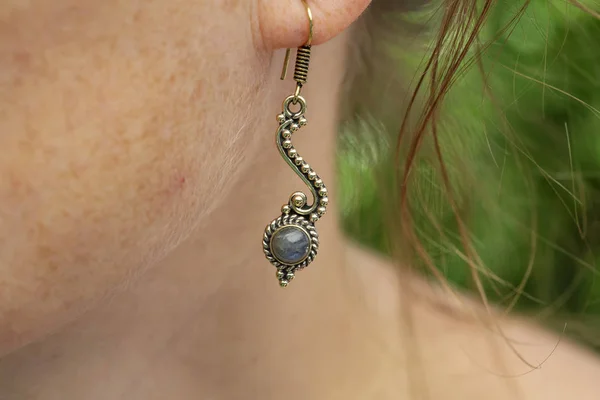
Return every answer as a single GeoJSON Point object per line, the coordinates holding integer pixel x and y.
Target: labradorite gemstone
{"type": "Point", "coordinates": [290, 245]}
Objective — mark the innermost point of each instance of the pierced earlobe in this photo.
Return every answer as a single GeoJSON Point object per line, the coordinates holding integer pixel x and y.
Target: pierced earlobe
{"type": "Point", "coordinates": [283, 23]}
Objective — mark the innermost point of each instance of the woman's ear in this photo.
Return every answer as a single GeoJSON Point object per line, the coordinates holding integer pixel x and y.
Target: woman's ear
{"type": "Point", "coordinates": [284, 23]}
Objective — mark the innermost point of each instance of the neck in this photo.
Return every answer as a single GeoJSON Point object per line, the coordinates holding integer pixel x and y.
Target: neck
{"type": "Point", "coordinates": [211, 319]}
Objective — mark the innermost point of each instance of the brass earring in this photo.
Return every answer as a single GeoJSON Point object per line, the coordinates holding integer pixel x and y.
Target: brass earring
{"type": "Point", "coordinates": [291, 241]}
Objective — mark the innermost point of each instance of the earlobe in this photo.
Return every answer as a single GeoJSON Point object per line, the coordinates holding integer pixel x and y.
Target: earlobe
{"type": "Point", "coordinates": [284, 23]}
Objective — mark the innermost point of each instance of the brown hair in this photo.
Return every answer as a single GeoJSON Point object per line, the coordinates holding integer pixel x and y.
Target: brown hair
{"type": "Point", "coordinates": [410, 130]}
{"type": "Point", "coordinates": [458, 23]}
{"type": "Point", "coordinates": [376, 81]}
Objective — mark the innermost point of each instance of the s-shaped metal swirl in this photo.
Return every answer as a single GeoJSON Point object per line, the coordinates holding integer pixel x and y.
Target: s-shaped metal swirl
{"type": "Point", "coordinates": [290, 122]}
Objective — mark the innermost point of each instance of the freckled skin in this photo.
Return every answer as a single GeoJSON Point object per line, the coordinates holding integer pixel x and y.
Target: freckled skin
{"type": "Point", "coordinates": [112, 114]}
{"type": "Point", "coordinates": [122, 125]}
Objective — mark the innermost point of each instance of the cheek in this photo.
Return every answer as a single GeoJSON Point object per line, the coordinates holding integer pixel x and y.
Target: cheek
{"type": "Point", "coordinates": [117, 139]}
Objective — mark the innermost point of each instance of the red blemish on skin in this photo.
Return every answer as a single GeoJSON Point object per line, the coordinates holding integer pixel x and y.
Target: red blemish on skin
{"type": "Point", "coordinates": [174, 186]}
{"type": "Point", "coordinates": [179, 182]}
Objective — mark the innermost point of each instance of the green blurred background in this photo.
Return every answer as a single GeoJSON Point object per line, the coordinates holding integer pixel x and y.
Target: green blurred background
{"type": "Point", "coordinates": [524, 163]}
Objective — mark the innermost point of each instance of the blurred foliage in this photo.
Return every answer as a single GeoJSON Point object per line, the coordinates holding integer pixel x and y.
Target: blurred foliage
{"type": "Point", "coordinates": [521, 144]}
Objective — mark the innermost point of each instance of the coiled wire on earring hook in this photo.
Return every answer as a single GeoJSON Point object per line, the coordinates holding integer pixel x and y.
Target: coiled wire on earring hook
{"type": "Point", "coordinates": [302, 64]}
{"type": "Point", "coordinates": [302, 57]}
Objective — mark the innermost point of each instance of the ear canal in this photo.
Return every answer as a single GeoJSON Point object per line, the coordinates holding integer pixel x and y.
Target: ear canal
{"type": "Point", "coordinates": [284, 23]}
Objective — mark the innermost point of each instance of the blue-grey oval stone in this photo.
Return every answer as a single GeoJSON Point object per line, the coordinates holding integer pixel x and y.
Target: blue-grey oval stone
{"type": "Point", "coordinates": [290, 245]}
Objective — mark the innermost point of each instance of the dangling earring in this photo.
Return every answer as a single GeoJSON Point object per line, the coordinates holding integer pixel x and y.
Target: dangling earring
{"type": "Point", "coordinates": [291, 241]}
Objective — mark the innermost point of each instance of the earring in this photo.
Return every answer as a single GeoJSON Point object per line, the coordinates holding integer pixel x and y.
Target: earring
{"type": "Point", "coordinates": [291, 241]}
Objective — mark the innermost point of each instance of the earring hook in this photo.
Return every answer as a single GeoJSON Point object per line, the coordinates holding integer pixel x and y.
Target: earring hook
{"type": "Point", "coordinates": [308, 43]}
